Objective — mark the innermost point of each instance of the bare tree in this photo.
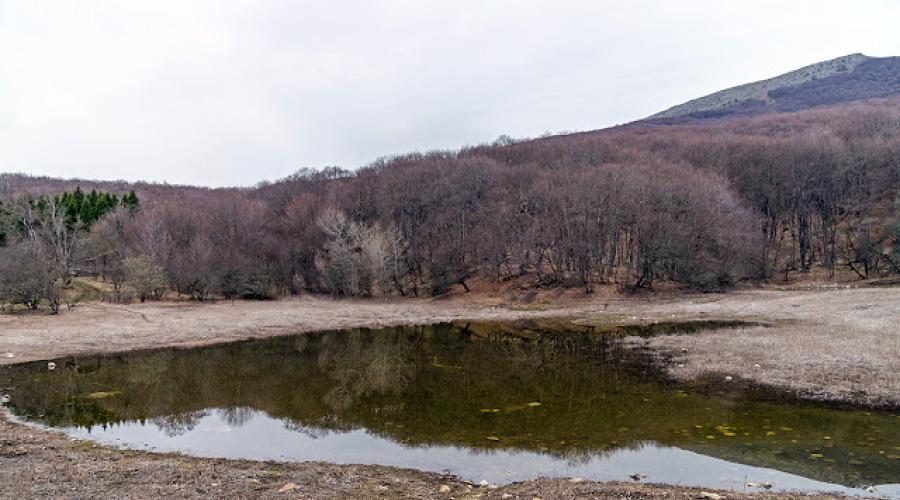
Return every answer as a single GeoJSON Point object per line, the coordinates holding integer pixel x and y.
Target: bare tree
{"type": "Point", "coordinates": [146, 277]}
{"type": "Point", "coordinates": [23, 276]}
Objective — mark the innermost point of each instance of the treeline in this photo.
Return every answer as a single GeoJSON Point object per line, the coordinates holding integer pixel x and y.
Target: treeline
{"type": "Point", "coordinates": [40, 241]}
{"type": "Point", "coordinates": [703, 205]}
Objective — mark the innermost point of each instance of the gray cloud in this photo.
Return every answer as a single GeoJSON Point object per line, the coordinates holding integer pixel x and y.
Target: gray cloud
{"type": "Point", "coordinates": [232, 92]}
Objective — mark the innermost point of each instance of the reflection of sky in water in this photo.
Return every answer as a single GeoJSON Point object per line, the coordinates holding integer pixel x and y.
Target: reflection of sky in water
{"type": "Point", "coordinates": [259, 436]}
{"type": "Point", "coordinates": [561, 404]}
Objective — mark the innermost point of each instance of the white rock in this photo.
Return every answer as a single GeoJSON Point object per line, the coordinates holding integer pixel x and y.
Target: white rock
{"type": "Point", "coordinates": [8, 355]}
{"type": "Point", "coordinates": [444, 489]}
{"type": "Point", "coordinates": [483, 482]}
{"type": "Point", "coordinates": [729, 378]}
{"type": "Point", "coordinates": [51, 366]}
{"type": "Point", "coordinates": [576, 480]}
{"type": "Point", "coordinates": [287, 487]}
{"type": "Point", "coordinates": [756, 365]}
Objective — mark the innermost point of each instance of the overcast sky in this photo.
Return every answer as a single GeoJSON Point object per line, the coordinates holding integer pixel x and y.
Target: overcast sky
{"type": "Point", "coordinates": [233, 92]}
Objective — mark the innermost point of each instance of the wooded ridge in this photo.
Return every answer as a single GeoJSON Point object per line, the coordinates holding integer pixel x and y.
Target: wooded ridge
{"type": "Point", "coordinates": [705, 205]}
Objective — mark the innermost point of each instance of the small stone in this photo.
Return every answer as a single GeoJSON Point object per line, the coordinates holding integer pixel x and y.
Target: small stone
{"type": "Point", "coordinates": [575, 480]}
{"type": "Point", "coordinates": [756, 365]}
{"type": "Point", "coordinates": [8, 355]}
{"type": "Point", "coordinates": [729, 378]}
{"type": "Point", "coordinates": [51, 366]}
{"type": "Point", "coordinates": [483, 483]}
{"type": "Point", "coordinates": [711, 496]}
{"type": "Point", "coordinates": [444, 489]}
{"type": "Point", "coordinates": [505, 496]}
{"type": "Point", "coordinates": [288, 487]}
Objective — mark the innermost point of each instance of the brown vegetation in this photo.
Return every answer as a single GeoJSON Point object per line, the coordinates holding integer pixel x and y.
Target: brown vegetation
{"type": "Point", "coordinates": [704, 206]}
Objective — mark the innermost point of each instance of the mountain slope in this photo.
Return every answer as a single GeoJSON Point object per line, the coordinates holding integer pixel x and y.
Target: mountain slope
{"type": "Point", "coordinates": [849, 78]}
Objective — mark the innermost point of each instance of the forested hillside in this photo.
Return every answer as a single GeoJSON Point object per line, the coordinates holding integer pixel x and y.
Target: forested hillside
{"type": "Point", "coordinates": [702, 205]}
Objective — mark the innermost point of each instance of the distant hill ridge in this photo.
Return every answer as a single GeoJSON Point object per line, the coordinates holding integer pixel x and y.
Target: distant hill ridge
{"type": "Point", "coordinates": [848, 78]}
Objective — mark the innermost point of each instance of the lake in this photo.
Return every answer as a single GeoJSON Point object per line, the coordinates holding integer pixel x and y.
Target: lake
{"type": "Point", "coordinates": [499, 402]}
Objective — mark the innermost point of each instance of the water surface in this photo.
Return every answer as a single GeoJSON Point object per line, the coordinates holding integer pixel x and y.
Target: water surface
{"type": "Point", "coordinates": [501, 402]}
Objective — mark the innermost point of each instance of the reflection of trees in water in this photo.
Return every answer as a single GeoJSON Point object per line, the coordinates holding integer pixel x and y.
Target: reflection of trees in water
{"type": "Point", "coordinates": [180, 423]}
{"type": "Point", "coordinates": [237, 416]}
{"type": "Point", "coordinates": [423, 386]}
{"type": "Point", "coordinates": [362, 364]}
{"type": "Point", "coordinates": [314, 431]}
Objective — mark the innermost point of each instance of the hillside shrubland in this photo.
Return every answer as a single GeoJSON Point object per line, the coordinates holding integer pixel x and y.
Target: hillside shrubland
{"type": "Point", "coordinates": [703, 205]}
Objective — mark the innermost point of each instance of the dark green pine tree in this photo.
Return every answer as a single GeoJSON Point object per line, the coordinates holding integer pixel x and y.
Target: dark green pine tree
{"type": "Point", "coordinates": [130, 201]}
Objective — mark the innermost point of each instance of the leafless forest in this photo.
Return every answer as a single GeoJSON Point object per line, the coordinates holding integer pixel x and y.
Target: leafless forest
{"type": "Point", "coordinates": [704, 205]}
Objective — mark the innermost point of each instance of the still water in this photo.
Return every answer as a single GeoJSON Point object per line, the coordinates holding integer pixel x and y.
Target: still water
{"type": "Point", "coordinates": [501, 402]}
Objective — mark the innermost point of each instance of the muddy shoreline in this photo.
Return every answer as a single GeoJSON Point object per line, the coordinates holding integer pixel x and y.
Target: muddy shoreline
{"type": "Point", "coordinates": [35, 462]}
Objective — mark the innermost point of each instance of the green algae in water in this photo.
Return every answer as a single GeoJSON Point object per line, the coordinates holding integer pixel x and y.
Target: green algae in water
{"type": "Point", "coordinates": [533, 396]}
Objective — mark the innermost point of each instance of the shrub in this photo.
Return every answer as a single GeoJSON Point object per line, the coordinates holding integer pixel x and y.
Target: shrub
{"type": "Point", "coordinates": [146, 277]}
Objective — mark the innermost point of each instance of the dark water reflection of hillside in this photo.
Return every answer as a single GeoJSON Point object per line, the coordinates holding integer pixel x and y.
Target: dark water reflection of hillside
{"type": "Point", "coordinates": [528, 392]}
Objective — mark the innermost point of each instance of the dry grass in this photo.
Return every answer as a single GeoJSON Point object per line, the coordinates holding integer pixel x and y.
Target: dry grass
{"type": "Point", "coordinates": [759, 90]}
{"type": "Point", "coordinates": [839, 345]}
